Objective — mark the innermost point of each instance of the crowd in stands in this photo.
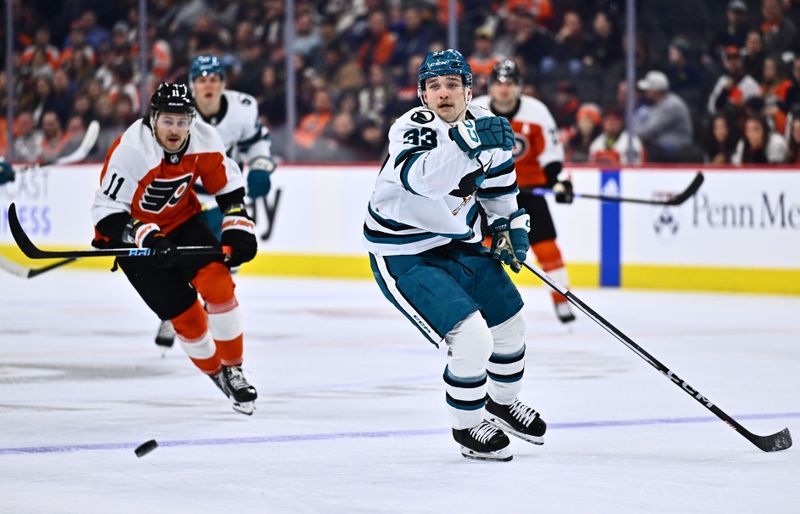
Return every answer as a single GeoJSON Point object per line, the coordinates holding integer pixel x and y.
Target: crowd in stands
{"type": "Point", "coordinates": [717, 82]}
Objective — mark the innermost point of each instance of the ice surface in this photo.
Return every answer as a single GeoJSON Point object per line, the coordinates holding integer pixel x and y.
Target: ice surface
{"type": "Point", "coordinates": [351, 415]}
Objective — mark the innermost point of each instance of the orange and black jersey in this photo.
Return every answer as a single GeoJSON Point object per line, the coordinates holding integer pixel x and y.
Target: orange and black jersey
{"type": "Point", "coordinates": [141, 180]}
{"type": "Point", "coordinates": [536, 140]}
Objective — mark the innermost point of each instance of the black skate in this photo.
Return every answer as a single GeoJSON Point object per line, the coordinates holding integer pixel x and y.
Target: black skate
{"type": "Point", "coordinates": [518, 420]}
{"type": "Point", "coordinates": [483, 442]}
{"type": "Point", "coordinates": [231, 381]}
{"type": "Point", "coordinates": [563, 312]}
{"type": "Point", "coordinates": [165, 337]}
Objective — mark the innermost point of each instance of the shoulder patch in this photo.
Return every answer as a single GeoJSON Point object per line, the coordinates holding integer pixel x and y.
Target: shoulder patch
{"type": "Point", "coordinates": [422, 117]}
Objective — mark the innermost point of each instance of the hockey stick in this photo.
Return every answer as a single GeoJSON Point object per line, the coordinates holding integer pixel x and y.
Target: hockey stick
{"type": "Point", "coordinates": [673, 200]}
{"type": "Point", "coordinates": [769, 443]}
{"type": "Point", "coordinates": [87, 143]}
{"type": "Point", "coordinates": [26, 272]}
{"type": "Point", "coordinates": [32, 252]}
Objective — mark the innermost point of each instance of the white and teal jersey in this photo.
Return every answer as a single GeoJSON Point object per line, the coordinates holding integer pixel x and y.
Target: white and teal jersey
{"type": "Point", "coordinates": [424, 195]}
{"type": "Point", "coordinates": [240, 128]}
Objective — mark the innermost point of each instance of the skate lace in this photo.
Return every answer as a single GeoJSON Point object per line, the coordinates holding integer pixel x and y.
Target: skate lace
{"type": "Point", "coordinates": [483, 432]}
{"type": "Point", "coordinates": [523, 413]}
{"type": "Point", "coordinates": [236, 378]}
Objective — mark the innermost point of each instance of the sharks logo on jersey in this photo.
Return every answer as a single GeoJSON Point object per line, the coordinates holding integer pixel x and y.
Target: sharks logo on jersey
{"type": "Point", "coordinates": [162, 192]}
{"type": "Point", "coordinates": [422, 117]}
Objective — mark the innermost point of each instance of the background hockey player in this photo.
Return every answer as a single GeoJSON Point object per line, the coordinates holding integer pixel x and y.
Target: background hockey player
{"type": "Point", "coordinates": [424, 237]}
{"type": "Point", "coordinates": [146, 200]}
{"type": "Point", "coordinates": [246, 140]}
{"type": "Point", "coordinates": [538, 157]}
{"type": "Point", "coordinates": [6, 172]}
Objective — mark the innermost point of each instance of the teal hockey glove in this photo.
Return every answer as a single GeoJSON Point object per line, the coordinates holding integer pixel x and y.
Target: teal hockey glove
{"type": "Point", "coordinates": [510, 239]}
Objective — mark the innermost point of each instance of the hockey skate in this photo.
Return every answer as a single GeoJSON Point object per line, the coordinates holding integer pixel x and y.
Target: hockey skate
{"type": "Point", "coordinates": [483, 442]}
{"type": "Point", "coordinates": [518, 420]}
{"type": "Point", "coordinates": [564, 312]}
{"type": "Point", "coordinates": [165, 337]}
{"type": "Point", "coordinates": [231, 381]}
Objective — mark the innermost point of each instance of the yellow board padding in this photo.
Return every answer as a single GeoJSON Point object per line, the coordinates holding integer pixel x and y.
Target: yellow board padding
{"type": "Point", "coordinates": [697, 278]}
{"type": "Point", "coordinates": [637, 276]}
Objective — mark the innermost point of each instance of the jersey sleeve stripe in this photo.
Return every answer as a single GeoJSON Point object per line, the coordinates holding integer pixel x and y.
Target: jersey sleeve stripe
{"type": "Point", "coordinates": [261, 134]}
{"type": "Point", "coordinates": [395, 239]}
{"type": "Point", "coordinates": [502, 169]}
{"type": "Point", "coordinates": [385, 222]}
{"type": "Point", "coordinates": [494, 192]}
{"type": "Point", "coordinates": [406, 169]}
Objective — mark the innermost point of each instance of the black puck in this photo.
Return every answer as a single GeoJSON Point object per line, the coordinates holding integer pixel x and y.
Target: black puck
{"type": "Point", "coordinates": [146, 447]}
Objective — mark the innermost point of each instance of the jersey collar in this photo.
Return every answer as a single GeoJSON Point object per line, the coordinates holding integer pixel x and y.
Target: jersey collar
{"type": "Point", "coordinates": [508, 115]}
{"type": "Point", "coordinates": [215, 118]}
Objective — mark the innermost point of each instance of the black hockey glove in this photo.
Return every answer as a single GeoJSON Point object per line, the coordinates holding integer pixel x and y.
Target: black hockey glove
{"type": "Point", "coordinates": [563, 191]}
{"type": "Point", "coordinates": [149, 235]}
{"type": "Point", "coordinates": [510, 239]}
{"type": "Point", "coordinates": [238, 232]}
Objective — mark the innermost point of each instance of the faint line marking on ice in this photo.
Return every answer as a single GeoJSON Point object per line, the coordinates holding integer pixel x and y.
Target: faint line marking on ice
{"type": "Point", "coordinates": [371, 435]}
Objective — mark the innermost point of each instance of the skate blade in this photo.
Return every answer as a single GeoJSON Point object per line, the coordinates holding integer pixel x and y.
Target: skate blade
{"type": "Point", "coordinates": [246, 408]}
{"type": "Point", "coordinates": [505, 427]}
{"type": "Point", "coordinates": [164, 345]}
{"type": "Point", "coordinates": [503, 455]}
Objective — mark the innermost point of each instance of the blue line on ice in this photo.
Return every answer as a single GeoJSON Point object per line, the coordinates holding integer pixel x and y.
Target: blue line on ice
{"type": "Point", "coordinates": [365, 435]}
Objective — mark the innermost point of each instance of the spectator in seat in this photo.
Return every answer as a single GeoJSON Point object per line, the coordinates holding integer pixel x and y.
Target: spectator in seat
{"type": "Point", "coordinates": [779, 32]}
{"type": "Point", "coordinates": [759, 144]}
{"type": "Point", "coordinates": [734, 86]}
{"type": "Point", "coordinates": [736, 28]}
{"type": "Point", "coordinates": [667, 131]}
{"type": "Point", "coordinates": [377, 48]}
{"type": "Point", "coordinates": [721, 140]}
{"type": "Point", "coordinates": [793, 154]}
{"type": "Point", "coordinates": [581, 137]}
{"type": "Point", "coordinates": [54, 138]}
{"type": "Point", "coordinates": [611, 147]}
{"type": "Point", "coordinates": [27, 140]}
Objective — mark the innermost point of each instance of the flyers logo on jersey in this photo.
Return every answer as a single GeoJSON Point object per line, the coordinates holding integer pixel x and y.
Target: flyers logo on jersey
{"type": "Point", "coordinates": [521, 146]}
{"type": "Point", "coordinates": [162, 192]}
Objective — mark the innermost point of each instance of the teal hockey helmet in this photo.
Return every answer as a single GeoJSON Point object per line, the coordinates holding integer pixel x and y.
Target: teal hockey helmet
{"type": "Point", "coordinates": [444, 62]}
{"type": "Point", "coordinates": [204, 65]}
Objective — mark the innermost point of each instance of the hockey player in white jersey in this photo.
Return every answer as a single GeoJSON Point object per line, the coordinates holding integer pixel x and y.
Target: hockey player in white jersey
{"type": "Point", "coordinates": [447, 160]}
{"type": "Point", "coordinates": [246, 139]}
{"type": "Point", "coordinates": [538, 157]}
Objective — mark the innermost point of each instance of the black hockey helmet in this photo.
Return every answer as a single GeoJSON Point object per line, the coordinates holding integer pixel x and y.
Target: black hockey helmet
{"type": "Point", "coordinates": [174, 98]}
{"type": "Point", "coordinates": [505, 71]}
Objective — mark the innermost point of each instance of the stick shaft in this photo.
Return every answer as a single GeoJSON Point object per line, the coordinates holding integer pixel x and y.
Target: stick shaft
{"type": "Point", "coordinates": [774, 442]}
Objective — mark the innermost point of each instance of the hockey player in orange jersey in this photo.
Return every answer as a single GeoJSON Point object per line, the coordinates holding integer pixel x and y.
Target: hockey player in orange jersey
{"type": "Point", "coordinates": [146, 200]}
{"type": "Point", "coordinates": [538, 157]}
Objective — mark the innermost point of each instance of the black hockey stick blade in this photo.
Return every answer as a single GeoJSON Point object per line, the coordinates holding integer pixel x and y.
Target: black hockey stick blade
{"type": "Point", "coordinates": [27, 272]}
{"type": "Point", "coordinates": [32, 272]}
{"type": "Point", "coordinates": [689, 191]}
{"type": "Point", "coordinates": [674, 200]}
{"type": "Point", "coordinates": [771, 443]}
{"type": "Point", "coordinates": [33, 252]}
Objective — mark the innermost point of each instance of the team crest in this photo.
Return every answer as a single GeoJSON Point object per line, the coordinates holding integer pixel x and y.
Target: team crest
{"type": "Point", "coordinates": [521, 145]}
{"type": "Point", "coordinates": [161, 193]}
{"type": "Point", "coordinates": [422, 117]}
